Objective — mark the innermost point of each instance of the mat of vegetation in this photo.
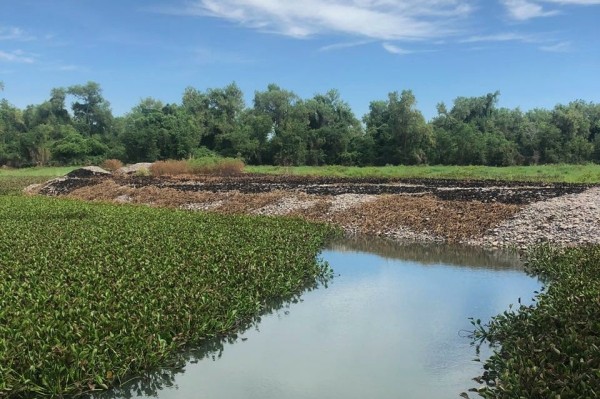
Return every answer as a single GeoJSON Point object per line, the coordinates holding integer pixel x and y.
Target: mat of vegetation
{"type": "Point", "coordinates": [91, 293]}
{"type": "Point", "coordinates": [550, 349]}
{"type": "Point", "coordinates": [558, 173]}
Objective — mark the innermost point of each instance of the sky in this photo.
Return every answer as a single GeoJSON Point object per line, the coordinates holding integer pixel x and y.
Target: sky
{"type": "Point", "coordinates": [537, 53]}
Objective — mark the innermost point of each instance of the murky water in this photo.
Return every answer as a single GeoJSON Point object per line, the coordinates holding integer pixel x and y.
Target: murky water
{"type": "Point", "coordinates": [392, 324]}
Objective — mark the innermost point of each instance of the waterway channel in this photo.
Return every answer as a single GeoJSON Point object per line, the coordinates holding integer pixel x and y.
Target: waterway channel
{"type": "Point", "coordinates": [393, 323]}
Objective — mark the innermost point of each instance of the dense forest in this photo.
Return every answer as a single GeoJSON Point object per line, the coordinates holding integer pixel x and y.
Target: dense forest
{"type": "Point", "coordinates": [76, 126]}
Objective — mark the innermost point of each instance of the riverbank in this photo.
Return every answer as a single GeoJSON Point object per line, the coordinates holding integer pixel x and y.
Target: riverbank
{"type": "Point", "coordinates": [482, 213]}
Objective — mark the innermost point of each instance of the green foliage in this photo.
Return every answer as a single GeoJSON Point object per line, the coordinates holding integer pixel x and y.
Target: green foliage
{"type": "Point", "coordinates": [280, 128]}
{"type": "Point", "coordinates": [589, 173]}
{"type": "Point", "coordinates": [550, 349]}
{"type": "Point", "coordinates": [399, 130]}
{"type": "Point", "coordinates": [110, 291]}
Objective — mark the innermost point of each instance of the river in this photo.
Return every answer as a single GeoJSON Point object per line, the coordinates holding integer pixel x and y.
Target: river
{"type": "Point", "coordinates": [393, 323]}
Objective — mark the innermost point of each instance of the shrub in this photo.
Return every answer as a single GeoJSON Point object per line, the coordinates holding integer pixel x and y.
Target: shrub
{"type": "Point", "coordinates": [111, 165]}
{"type": "Point", "coordinates": [217, 166]}
{"type": "Point", "coordinates": [169, 167]}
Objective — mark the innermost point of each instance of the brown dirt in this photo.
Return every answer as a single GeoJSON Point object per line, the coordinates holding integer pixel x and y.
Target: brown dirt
{"type": "Point", "coordinates": [446, 220]}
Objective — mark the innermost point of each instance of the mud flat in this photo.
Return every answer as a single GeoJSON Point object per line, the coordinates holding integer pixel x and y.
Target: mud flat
{"type": "Point", "coordinates": [481, 213]}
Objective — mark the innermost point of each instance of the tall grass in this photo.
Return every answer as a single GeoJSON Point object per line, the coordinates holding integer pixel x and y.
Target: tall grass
{"type": "Point", "coordinates": [170, 168]}
{"type": "Point", "coordinates": [111, 164]}
{"type": "Point", "coordinates": [217, 166]}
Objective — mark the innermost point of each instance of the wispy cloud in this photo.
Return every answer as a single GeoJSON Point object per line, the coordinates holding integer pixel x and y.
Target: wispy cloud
{"type": "Point", "coordinates": [17, 56]}
{"type": "Point", "coordinates": [544, 43]}
{"type": "Point", "coordinates": [13, 33]}
{"type": "Point", "coordinates": [527, 9]}
{"type": "Point", "coordinates": [561, 47]}
{"type": "Point", "coordinates": [59, 67]}
{"type": "Point", "coordinates": [502, 37]}
{"type": "Point", "coordinates": [523, 10]}
{"type": "Point", "coordinates": [341, 46]}
{"type": "Point", "coordinates": [575, 2]}
{"type": "Point", "coordinates": [373, 19]}
{"type": "Point", "coordinates": [393, 49]}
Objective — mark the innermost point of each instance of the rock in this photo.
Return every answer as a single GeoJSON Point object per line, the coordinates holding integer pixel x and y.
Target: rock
{"type": "Point", "coordinates": [32, 189]}
{"type": "Point", "coordinates": [131, 169]}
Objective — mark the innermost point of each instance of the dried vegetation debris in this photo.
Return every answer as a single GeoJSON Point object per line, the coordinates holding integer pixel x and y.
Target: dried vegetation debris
{"type": "Point", "coordinates": [474, 213]}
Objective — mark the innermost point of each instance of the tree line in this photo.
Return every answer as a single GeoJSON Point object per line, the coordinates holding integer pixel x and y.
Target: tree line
{"type": "Point", "coordinates": [75, 125]}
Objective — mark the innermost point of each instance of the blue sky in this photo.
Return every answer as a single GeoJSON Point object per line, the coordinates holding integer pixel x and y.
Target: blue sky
{"type": "Point", "coordinates": [535, 52]}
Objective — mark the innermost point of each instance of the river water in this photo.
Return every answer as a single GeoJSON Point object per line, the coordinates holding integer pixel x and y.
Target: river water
{"type": "Point", "coordinates": [391, 324]}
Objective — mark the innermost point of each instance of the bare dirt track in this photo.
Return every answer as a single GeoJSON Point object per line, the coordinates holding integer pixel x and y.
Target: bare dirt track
{"type": "Point", "coordinates": [408, 209]}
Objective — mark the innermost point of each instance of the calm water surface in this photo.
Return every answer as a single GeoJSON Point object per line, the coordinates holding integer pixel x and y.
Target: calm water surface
{"type": "Point", "coordinates": [390, 325]}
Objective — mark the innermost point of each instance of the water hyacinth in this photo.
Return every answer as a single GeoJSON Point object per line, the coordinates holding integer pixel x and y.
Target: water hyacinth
{"type": "Point", "coordinates": [91, 293]}
{"type": "Point", "coordinates": [550, 349]}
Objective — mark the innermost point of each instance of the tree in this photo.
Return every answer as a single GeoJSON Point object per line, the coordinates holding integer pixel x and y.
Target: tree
{"type": "Point", "coordinates": [287, 136]}
{"type": "Point", "coordinates": [332, 125]}
{"type": "Point", "coordinates": [91, 112]}
{"type": "Point", "coordinates": [155, 131]}
{"type": "Point", "coordinates": [399, 130]}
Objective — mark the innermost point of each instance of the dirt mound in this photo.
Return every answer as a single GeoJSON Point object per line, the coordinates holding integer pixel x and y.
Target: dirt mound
{"type": "Point", "coordinates": [483, 191]}
{"type": "Point", "coordinates": [87, 172]}
{"type": "Point", "coordinates": [415, 210]}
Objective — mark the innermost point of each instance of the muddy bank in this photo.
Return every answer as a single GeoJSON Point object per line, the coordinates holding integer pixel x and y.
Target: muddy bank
{"type": "Point", "coordinates": [481, 213]}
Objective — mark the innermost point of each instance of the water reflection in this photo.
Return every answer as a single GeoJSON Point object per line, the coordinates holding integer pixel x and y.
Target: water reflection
{"type": "Point", "coordinates": [431, 254]}
{"type": "Point", "coordinates": [151, 384]}
{"type": "Point", "coordinates": [388, 326]}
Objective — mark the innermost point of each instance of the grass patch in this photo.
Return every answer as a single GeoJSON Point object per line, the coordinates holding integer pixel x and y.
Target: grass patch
{"type": "Point", "coordinates": [92, 293]}
{"type": "Point", "coordinates": [217, 166]}
{"type": "Point", "coordinates": [13, 181]}
{"type": "Point", "coordinates": [43, 171]}
{"type": "Point", "coordinates": [550, 349]}
{"type": "Point", "coordinates": [589, 173]}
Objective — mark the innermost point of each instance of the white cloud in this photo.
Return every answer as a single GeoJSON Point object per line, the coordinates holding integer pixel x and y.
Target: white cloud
{"type": "Point", "coordinates": [575, 2]}
{"type": "Point", "coordinates": [373, 19]}
{"type": "Point", "coordinates": [390, 48]}
{"type": "Point", "coordinates": [340, 46]}
{"type": "Point", "coordinates": [12, 33]}
{"type": "Point", "coordinates": [16, 56]}
{"type": "Point", "coordinates": [561, 47]}
{"type": "Point", "coordinates": [525, 9]}
{"type": "Point", "coordinates": [501, 37]}
{"type": "Point", "coordinates": [57, 67]}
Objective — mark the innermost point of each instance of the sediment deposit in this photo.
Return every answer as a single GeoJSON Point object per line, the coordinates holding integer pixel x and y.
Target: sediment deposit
{"type": "Point", "coordinates": [482, 213]}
